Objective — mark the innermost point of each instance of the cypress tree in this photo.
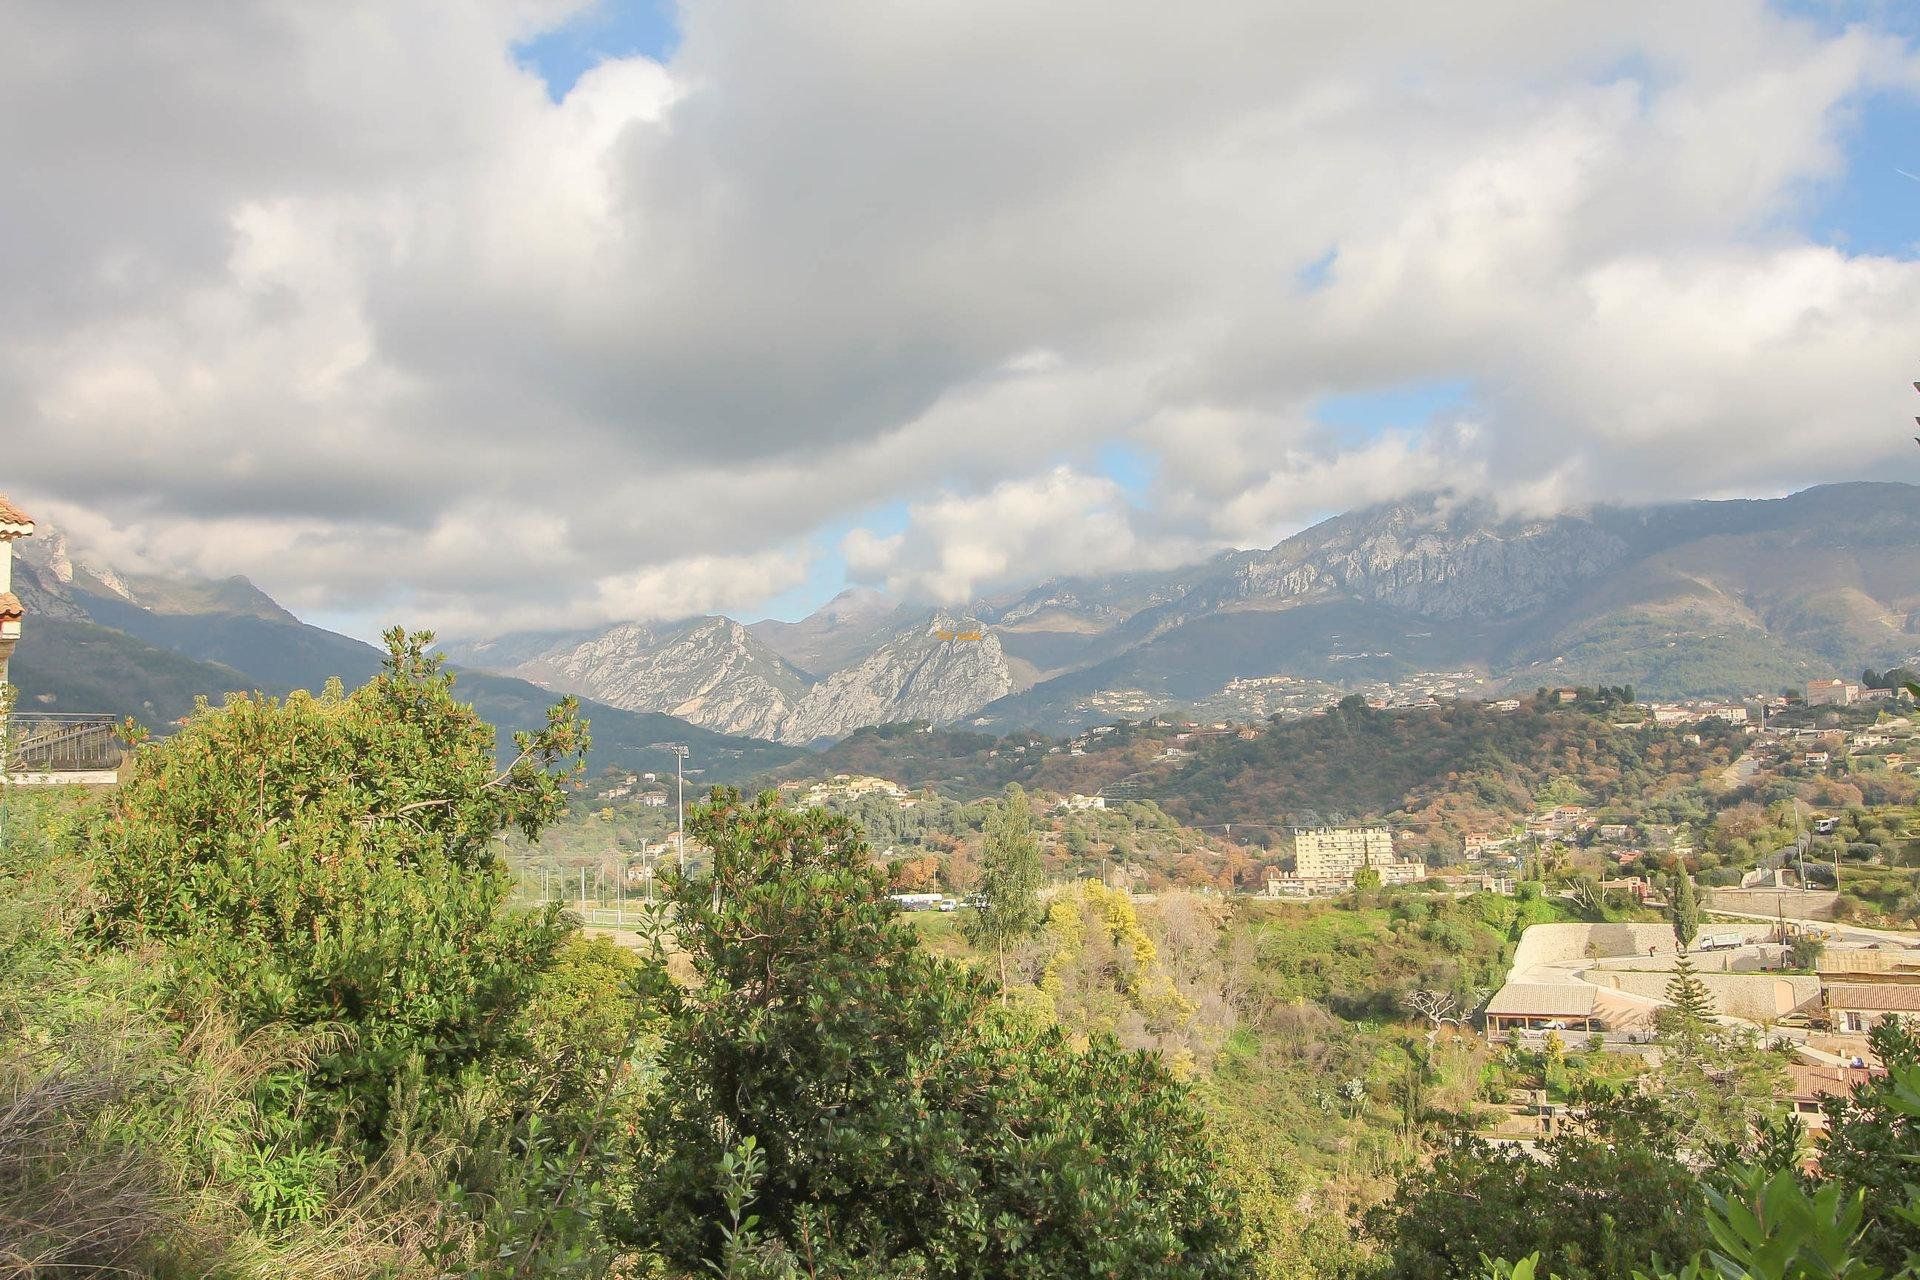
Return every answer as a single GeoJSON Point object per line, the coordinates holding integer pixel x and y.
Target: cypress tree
{"type": "Point", "coordinates": [1683, 907]}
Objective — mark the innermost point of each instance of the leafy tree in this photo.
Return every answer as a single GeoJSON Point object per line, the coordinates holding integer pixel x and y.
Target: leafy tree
{"type": "Point", "coordinates": [960, 872]}
{"type": "Point", "coordinates": [329, 862]}
{"type": "Point", "coordinates": [1683, 907]}
{"type": "Point", "coordinates": [1804, 951]}
{"type": "Point", "coordinates": [906, 1124]}
{"type": "Point", "coordinates": [1873, 1139]}
{"type": "Point", "coordinates": [916, 875]}
{"type": "Point", "coordinates": [1597, 1199]}
{"type": "Point", "coordinates": [1009, 881]}
{"type": "Point", "coordinates": [1766, 1224]}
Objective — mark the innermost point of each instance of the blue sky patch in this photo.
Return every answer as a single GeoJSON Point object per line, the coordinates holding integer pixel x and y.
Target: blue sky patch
{"type": "Point", "coordinates": [1132, 468]}
{"type": "Point", "coordinates": [606, 29]}
{"type": "Point", "coordinates": [827, 574]}
{"type": "Point", "coordinates": [1874, 206]}
{"type": "Point", "coordinates": [1356, 417]}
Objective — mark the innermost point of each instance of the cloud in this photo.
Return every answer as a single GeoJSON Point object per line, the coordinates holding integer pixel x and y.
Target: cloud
{"type": "Point", "coordinates": [1061, 522]}
{"type": "Point", "coordinates": [346, 302]}
{"type": "Point", "coordinates": [696, 584]}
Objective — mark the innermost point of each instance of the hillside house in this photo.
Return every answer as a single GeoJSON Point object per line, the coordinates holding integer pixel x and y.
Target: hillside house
{"type": "Point", "coordinates": [1809, 1085]}
{"type": "Point", "coordinates": [14, 525]}
{"type": "Point", "coordinates": [1831, 693]}
{"type": "Point", "coordinates": [1478, 844]}
{"type": "Point", "coordinates": [1543, 1006]}
{"type": "Point", "coordinates": [1858, 1007]}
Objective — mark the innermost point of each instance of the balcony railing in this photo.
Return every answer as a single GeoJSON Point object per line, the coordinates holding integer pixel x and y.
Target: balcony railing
{"type": "Point", "coordinates": [62, 742]}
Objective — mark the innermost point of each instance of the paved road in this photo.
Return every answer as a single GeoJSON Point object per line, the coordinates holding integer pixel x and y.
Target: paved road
{"type": "Point", "coordinates": [1843, 931]}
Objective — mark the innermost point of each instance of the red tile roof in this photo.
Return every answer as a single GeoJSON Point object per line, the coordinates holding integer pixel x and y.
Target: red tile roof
{"type": "Point", "coordinates": [1874, 997]}
{"type": "Point", "coordinates": [10, 514]}
{"type": "Point", "coordinates": [10, 607]}
{"type": "Point", "coordinates": [1810, 1082]}
{"type": "Point", "coordinates": [1543, 1000]}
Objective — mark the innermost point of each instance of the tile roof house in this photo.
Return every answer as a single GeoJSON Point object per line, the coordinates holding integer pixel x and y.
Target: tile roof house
{"type": "Point", "coordinates": [1808, 1084]}
{"type": "Point", "coordinates": [1859, 1006]}
{"type": "Point", "coordinates": [1535, 1006]}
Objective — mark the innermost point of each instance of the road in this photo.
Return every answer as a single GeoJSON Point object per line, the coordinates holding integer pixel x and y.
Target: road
{"type": "Point", "coordinates": [1829, 927]}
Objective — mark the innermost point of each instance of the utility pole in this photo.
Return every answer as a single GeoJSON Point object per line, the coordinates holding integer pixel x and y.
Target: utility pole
{"type": "Point", "coordinates": [679, 750]}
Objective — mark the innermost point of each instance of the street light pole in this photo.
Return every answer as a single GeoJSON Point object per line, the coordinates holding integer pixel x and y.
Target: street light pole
{"type": "Point", "coordinates": [679, 750]}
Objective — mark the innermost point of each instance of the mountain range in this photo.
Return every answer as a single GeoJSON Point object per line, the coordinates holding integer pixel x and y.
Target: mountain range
{"type": "Point", "coordinates": [1436, 590]}
{"type": "Point", "coordinates": [147, 645]}
{"type": "Point", "coordinates": [1678, 599]}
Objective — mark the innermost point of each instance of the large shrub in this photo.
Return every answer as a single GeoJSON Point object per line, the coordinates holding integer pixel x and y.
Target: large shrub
{"type": "Point", "coordinates": [330, 861]}
{"type": "Point", "coordinates": [906, 1120]}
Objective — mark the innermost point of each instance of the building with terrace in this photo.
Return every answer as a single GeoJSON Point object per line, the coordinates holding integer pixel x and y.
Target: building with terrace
{"type": "Point", "coordinates": [14, 524]}
{"type": "Point", "coordinates": [41, 747]}
{"type": "Point", "coordinates": [1544, 1006]}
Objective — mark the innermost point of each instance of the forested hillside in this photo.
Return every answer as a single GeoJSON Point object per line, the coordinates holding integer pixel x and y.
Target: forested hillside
{"type": "Point", "coordinates": [1447, 769]}
{"type": "Point", "coordinates": [1462, 765]}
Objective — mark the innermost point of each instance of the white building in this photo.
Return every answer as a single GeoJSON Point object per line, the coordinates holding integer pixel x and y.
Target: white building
{"type": "Point", "coordinates": [1335, 853]}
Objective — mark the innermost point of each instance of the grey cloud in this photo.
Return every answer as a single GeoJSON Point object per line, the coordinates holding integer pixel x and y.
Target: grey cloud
{"type": "Point", "coordinates": [319, 293]}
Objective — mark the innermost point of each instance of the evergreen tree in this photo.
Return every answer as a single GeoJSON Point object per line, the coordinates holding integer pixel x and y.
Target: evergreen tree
{"type": "Point", "coordinates": [1009, 881]}
{"type": "Point", "coordinates": [1689, 1015]}
{"type": "Point", "coordinates": [1683, 907]}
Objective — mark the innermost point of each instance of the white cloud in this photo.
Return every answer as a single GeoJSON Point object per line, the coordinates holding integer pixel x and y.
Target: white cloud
{"type": "Point", "coordinates": [696, 584]}
{"type": "Point", "coordinates": [957, 547]}
{"type": "Point", "coordinates": [343, 301]}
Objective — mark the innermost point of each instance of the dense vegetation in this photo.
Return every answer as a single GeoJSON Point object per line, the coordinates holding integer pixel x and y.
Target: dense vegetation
{"type": "Point", "coordinates": [1442, 770]}
{"type": "Point", "coordinates": [1461, 765]}
{"type": "Point", "coordinates": [270, 1009]}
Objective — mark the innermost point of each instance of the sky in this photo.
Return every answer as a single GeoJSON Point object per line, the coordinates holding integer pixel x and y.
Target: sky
{"type": "Point", "coordinates": [496, 314]}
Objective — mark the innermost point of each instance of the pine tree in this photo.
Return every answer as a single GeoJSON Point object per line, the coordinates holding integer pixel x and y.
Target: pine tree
{"type": "Point", "coordinates": [1009, 881]}
{"type": "Point", "coordinates": [1690, 1011]}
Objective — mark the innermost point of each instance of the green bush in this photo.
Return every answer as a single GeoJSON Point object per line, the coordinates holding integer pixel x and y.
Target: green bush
{"type": "Point", "coordinates": [905, 1119]}
{"type": "Point", "coordinates": [329, 862]}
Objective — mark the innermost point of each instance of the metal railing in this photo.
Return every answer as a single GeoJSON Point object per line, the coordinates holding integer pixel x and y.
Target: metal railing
{"type": "Point", "coordinates": [62, 742]}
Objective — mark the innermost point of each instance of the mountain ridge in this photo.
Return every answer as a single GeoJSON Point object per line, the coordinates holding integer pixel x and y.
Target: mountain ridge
{"type": "Point", "coordinates": [148, 646]}
{"type": "Point", "coordinates": [1434, 591]}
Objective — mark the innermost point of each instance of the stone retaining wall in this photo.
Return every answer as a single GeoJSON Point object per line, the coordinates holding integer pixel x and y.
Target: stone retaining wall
{"type": "Point", "coordinates": [1807, 904]}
